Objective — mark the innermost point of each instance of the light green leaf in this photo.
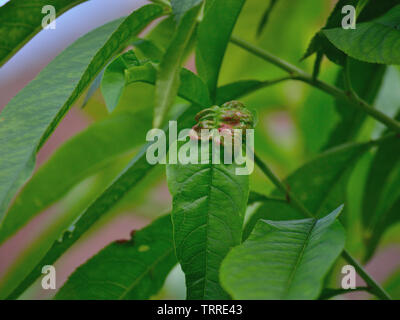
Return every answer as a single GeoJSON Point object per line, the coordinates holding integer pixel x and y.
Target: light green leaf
{"type": "Point", "coordinates": [167, 83]}
{"type": "Point", "coordinates": [320, 184]}
{"type": "Point", "coordinates": [377, 41]}
{"type": "Point", "coordinates": [19, 22]}
{"type": "Point", "coordinates": [149, 49]}
{"type": "Point", "coordinates": [211, 45]}
{"type": "Point", "coordinates": [79, 158]}
{"type": "Point", "coordinates": [45, 100]}
{"type": "Point", "coordinates": [209, 202]}
{"type": "Point", "coordinates": [135, 269]}
{"type": "Point", "coordinates": [284, 259]}
{"type": "Point", "coordinates": [113, 81]}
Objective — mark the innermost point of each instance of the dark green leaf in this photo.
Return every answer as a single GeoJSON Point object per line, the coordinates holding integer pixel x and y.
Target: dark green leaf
{"type": "Point", "coordinates": [77, 159]}
{"type": "Point", "coordinates": [135, 269]}
{"type": "Point", "coordinates": [284, 259]}
{"type": "Point", "coordinates": [211, 45]}
{"type": "Point", "coordinates": [46, 99]}
{"type": "Point", "coordinates": [319, 184]}
{"type": "Point", "coordinates": [19, 22]}
{"type": "Point", "coordinates": [167, 83]}
{"type": "Point", "coordinates": [377, 41]}
{"type": "Point", "coordinates": [209, 202]}
{"type": "Point", "coordinates": [113, 81]}
{"type": "Point", "coordinates": [265, 16]}
{"type": "Point", "coordinates": [366, 80]}
{"type": "Point", "coordinates": [319, 43]}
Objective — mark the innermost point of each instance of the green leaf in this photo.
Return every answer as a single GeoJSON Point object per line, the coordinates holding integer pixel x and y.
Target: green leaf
{"type": "Point", "coordinates": [211, 45]}
{"type": "Point", "coordinates": [19, 22]}
{"type": "Point", "coordinates": [366, 80]}
{"type": "Point", "coordinates": [191, 88]}
{"type": "Point", "coordinates": [129, 178]}
{"type": "Point", "coordinates": [381, 200]}
{"type": "Point", "coordinates": [209, 202]}
{"type": "Point", "coordinates": [121, 73]}
{"type": "Point", "coordinates": [45, 100]}
{"type": "Point", "coordinates": [149, 49]}
{"type": "Point", "coordinates": [113, 81]}
{"type": "Point", "coordinates": [167, 83]}
{"type": "Point", "coordinates": [377, 41]}
{"type": "Point", "coordinates": [265, 16]}
{"type": "Point", "coordinates": [180, 7]}
{"type": "Point", "coordinates": [320, 44]}
{"type": "Point", "coordinates": [320, 185]}
{"type": "Point", "coordinates": [79, 158]}
{"type": "Point", "coordinates": [135, 269]}
{"type": "Point", "coordinates": [284, 259]}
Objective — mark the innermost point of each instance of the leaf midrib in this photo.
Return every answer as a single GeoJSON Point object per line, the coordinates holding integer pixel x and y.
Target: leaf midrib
{"type": "Point", "coordinates": [299, 259]}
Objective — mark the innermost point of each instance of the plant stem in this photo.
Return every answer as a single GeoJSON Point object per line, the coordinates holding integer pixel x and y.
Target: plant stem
{"type": "Point", "coordinates": [374, 286]}
{"type": "Point", "coordinates": [298, 74]}
{"type": "Point", "coordinates": [296, 203]}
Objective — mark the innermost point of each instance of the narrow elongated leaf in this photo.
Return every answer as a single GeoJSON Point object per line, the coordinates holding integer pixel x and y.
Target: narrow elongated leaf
{"type": "Point", "coordinates": [135, 269]}
{"type": "Point", "coordinates": [377, 41]}
{"type": "Point", "coordinates": [366, 80]}
{"type": "Point", "coordinates": [265, 16]}
{"type": "Point", "coordinates": [167, 83]}
{"type": "Point", "coordinates": [76, 160]}
{"type": "Point", "coordinates": [209, 202]}
{"type": "Point", "coordinates": [284, 259]}
{"type": "Point", "coordinates": [319, 184]}
{"type": "Point", "coordinates": [211, 45]}
{"type": "Point", "coordinates": [20, 21]}
{"type": "Point", "coordinates": [45, 100]}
